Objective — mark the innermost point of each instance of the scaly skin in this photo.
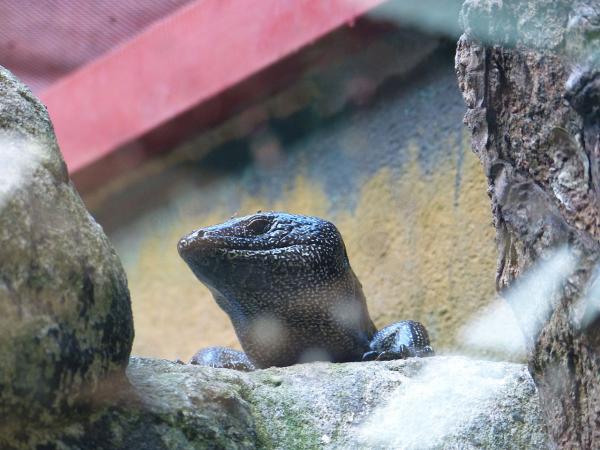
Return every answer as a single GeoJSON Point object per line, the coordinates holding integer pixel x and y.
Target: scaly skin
{"type": "Point", "coordinates": [286, 283]}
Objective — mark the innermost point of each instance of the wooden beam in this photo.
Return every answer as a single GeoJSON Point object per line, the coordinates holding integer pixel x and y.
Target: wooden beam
{"type": "Point", "coordinates": [179, 62]}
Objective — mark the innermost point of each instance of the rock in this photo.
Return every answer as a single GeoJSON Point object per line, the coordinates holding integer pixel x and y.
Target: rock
{"type": "Point", "coordinates": [65, 314]}
{"type": "Point", "coordinates": [529, 75]}
{"type": "Point", "coordinates": [409, 404]}
{"type": "Point", "coordinates": [430, 403]}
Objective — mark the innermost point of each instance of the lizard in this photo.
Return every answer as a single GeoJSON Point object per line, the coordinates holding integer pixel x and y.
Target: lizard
{"type": "Point", "coordinates": [286, 283]}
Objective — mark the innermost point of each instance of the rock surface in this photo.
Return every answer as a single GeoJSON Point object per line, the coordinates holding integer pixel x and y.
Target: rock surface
{"type": "Point", "coordinates": [529, 72]}
{"type": "Point", "coordinates": [432, 403]}
{"type": "Point", "coordinates": [65, 314]}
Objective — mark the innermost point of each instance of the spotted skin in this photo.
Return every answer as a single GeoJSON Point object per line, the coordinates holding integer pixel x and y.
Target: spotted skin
{"type": "Point", "coordinates": [223, 357]}
{"type": "Point", "coordinates": [400, 340]}
{"type": "Point", "coordinates": [286, 283]}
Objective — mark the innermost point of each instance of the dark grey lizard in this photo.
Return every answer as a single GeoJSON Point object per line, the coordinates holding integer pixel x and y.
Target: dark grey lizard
{"type": "Point", "coordinates": [286, 283]}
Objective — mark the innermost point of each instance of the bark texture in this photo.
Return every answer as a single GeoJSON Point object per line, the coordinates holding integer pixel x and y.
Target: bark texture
{"type": "Point", "coordinates": [529, 74]}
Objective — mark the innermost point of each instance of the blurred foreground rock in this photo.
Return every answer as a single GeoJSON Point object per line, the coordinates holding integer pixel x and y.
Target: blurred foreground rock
{"type": "Point", "coordinates": [530, 76]}
{"type": "Point", "coordinates": [432, 403]}
{"type": "Point", "coordinates": [65, 314]}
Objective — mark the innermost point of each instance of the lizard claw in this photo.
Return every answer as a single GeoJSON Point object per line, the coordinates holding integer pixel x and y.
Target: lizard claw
{"type": "Point", "coordinates": [404, 339]}
{"type": "Point", "coordinates": [402, 352]}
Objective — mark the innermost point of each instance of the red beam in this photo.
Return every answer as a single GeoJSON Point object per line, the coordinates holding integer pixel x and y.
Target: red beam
{"type": "Point", "coordinates": [185, 59]}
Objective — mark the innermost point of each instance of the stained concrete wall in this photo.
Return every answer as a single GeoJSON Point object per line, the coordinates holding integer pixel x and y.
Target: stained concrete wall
{"type": "Point", "coordinates": [393, 171]}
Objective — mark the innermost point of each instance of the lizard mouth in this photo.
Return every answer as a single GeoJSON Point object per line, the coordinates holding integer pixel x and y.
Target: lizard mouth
{"type": "Point", "coordinates": [202, 242]}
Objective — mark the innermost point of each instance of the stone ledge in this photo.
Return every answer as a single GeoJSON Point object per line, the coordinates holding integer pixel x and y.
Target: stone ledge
{"type": "Point", "coordinates": [434, 403]}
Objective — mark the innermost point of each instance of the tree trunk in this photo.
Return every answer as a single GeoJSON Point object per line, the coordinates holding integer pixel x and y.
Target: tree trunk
{"type": "Point", "coordinates": [530, 76]}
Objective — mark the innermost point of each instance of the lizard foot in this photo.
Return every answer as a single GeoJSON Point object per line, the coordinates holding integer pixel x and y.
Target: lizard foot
{"type": "Point", "coordinates": [223, 357]}
{"type": "Point", "coordinates": [401, 340]}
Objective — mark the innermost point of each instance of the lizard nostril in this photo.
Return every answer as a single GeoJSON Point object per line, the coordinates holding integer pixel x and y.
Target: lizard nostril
{"type": "Point", "coordinates": [182, 245]}
{"type": "Point", "coordinates": [188, 242]}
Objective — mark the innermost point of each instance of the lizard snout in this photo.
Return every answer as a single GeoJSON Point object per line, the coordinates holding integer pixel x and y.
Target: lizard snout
{"type": "Point", "coordinates": [189, 242]}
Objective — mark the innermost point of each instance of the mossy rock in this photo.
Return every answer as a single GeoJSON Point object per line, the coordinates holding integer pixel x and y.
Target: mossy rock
{"type": "Point", "coordinates": [65, 315]}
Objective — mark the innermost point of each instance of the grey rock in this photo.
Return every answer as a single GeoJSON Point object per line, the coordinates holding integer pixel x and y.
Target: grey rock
{"type": "Point", "coordinates": [430, 403]}
{"type": "Point", "coordinates": [65, 313]}
{"type": "Point", "coordinates": [419, 403]}
{"type": "Point", "coordinates": [530, 76]}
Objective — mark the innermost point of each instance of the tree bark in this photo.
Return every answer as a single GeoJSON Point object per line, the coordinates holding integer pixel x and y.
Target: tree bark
{"type": "Point", "coordinates": [529, 72]}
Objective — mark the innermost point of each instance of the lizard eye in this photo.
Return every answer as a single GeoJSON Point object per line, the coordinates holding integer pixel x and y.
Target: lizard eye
{"type": "Point", "coordinates": [258, 226]}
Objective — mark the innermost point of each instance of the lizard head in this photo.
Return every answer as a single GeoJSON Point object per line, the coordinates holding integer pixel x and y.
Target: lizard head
{"type": "Point", "coordinates": [286, 284]}
{"type": "Point", "coordinates": [250, 258]}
